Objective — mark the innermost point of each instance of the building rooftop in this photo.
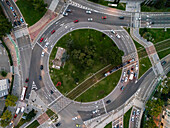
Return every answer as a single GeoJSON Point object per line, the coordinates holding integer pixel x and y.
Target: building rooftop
{"type": "Point", "coordinates": [4, 86]}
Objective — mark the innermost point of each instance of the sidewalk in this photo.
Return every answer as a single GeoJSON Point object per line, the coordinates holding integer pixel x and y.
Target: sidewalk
{"type": "Point", "coordinates": [35, 29]}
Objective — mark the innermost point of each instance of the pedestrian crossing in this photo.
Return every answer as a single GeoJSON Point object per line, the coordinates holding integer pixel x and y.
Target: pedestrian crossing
{"type": "Point", "coordinates": [34, 87]}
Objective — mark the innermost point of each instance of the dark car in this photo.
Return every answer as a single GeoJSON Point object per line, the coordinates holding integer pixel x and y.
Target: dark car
{"type": "Point", "coordinates": [108, 101]}
{"type": "Point", "coordinates": [14, 14]}
{"type": "Point", "coordinates": [51, 92]}
{"type": "Point", "coordinates": [132, 68]}
{"type": "Point", "coordinates": [41, 67]}
{"type": "Point", "coordinates": [15, 23]}
{"type": "Point", "coordinates": [121, 17]}
{"type": "Point", "coordinates": [122, 88]}
{"type": "Point", "coordinates": [40, 78]}
{"type": "Point", "coordinates": [27, 79]}
{"type": "Point", "coordinates": [163, 62]}
{"type": "Point", "coordinates": [8, 3]}
{"type": "Point", "coordinates": [19, 23]}
{"type": "Point", "coordinates": [68, 10]}
{"type": "Point", "coordinates": [58, 124]}
{"type": "Point", "coordinates": [104, 17]}
{"type": "Point", "coordinates": [128, 72]}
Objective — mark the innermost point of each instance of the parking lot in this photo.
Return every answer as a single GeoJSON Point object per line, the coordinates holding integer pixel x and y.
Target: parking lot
{"type": "Point", "coordinates": [118, 123]}
{"type": "Point", "coordinates": [134, 118]}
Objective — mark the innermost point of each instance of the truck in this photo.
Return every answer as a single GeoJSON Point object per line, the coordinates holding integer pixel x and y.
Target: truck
{"type": "Point", "coordinates": [131, 76]}
{"type": "Point", "coordinates": [23, 93]}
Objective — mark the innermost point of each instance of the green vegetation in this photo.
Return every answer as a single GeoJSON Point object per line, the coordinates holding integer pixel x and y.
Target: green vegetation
{"type": "Point", "coordinates": [120, 6]}
{"type": "Point", "coordinates": [108, 125]}
{"type": "Point", "coordinates": [154, 35]}
{"type": "Point", "coordinates": [164, 53]}
{"type": "Point", "coordinates": [156, 6]}
{"type": "Point", "coordinates": [144, 65]}
{"type": "Point", "coordinates": [101, 89]}
{"type": "Point", "coordinates": [32, 10]}
{"type": "Point", "coordinates": [168, 75]}
{"type": "Point", "coordinates": [21, 122]}
{"type": "Point", "coordinates": [85, 55]}
{"type": "Point", "coordinates": [5, 25]}
{"type": "Point", "coordinates": [34, 124]}
{"type": "Point", "coordinates": [10, 101]}
{"type": "Point", "coordinates": [5, 118]}
{"type": "Point", "coordinates": [30, 115]}
{"type": "Point", "coordinates": [126, 118]}
{"type": "Point", "coordinates": [50, 113]}
{"type": "Point", "coordinates": [4, 73]}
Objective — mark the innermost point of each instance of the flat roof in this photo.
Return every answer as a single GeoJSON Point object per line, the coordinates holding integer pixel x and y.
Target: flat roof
{"type": "Point", "coordinates": [4, 86]}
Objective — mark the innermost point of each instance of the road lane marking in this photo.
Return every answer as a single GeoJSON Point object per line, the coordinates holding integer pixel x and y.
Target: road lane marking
{"type": "Point", "coordinates": [43, 49]}
{"type": "Point", "coordinates": [54, 101]}
{"type": "Point", "coordinates": [104, 106]}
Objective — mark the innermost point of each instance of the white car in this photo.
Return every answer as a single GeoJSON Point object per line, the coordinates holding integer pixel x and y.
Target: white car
{"type": "Point", "coordinates": [95, 111]}
{"type": "Point", "coordinates": [112, 31]}
{"type": "Point", "coordinates": [137, 67]}
{"type": "Point", "coordinates": [124, 73]}
{"type": "Point", "coordinates": [75, 118]}
{"type": "Point", "coordinates": [65, 14]}
{"type": "Point", "coordinates": [117, 36]}
{"type": "Point", "coordinates": [137, 112]}
{"type": "Point", "coordinates": [46, 45]}
{"type": "Point", "coordinates": [90, 19]}
{"type": "Point", "coordinates": [42, 54]}
{"type": "Point", "coordinates": [126, 79]}
{"type": "Point", "coordinates": [88, 12]}
{"type": "Point", "coordinates": [132, 119]}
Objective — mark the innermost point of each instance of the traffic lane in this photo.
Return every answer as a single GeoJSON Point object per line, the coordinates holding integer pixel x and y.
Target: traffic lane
{"type": "Point", "coordinates": [121, 99]}
{"type": "Point", "coordinates": [15, 8]}
{"type": "Point", "coordinates": [80, 14]}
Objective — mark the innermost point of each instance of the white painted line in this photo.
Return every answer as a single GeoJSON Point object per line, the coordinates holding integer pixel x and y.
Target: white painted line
{"type": "Point", "coordinates": [54, 100]}
{"type": "Point", "coordinates": [43, 49]}
{"type": "Point", "coordinates": [104, 106]}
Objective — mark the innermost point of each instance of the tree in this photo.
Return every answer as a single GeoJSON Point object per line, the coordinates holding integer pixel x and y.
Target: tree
{"type": "Point", "coordinates": [5, 118]}
{"type": "Point", "coordinates": [4, 74]}
{"type": "Point", "coordinates": [10, 101]}
{"type": "Point", "coordinates": [30, 115]}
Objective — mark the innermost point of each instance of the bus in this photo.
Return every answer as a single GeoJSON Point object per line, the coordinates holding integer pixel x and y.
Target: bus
{"type": "Point", "coordinates": [23, 93]}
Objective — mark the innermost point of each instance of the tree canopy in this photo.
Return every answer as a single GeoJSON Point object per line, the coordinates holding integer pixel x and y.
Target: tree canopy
{"type": "Point", "coordinates": [10, 101]}
{"type": "Point", "coordinates": [5, 118]}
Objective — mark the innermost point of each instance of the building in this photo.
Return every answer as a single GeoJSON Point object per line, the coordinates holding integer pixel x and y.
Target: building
{"type": "Point", "coordinates": [4, 86]}
{"type": "Point", "coordinates": [165, 121]}
{"type": "Point", "coordinates": [59, 58]}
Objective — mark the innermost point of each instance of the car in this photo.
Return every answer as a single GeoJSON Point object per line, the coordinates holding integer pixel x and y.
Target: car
{"type": "Point", "coordinates": [15, 23]}
{"type": "Point", "coordinates": [27, 79]}
{"type": "Point", "coordinates": [14, 14]}
{"type": "Point", "coordinates": [137, 67]}
{"type": "Point", "coordinates": [124, 73]}
{"type": "Point", "coordinates": [132, 68]}
{"type": "Point", "coordinates": [132, 60]}
{"type": "Point", "coordinates": [95, 111]}
{"type": "Point", "coordinates": [41, 39]}
{"type": "Point", "coordinates": [19, 23]}
{"type": "Point", "coordinates": [135, 74]}
{"type": "Point", "coordinates": [134, 112]}
{"type": "Point", "coordinates": [42, 54]}
{"type": "Point", "coordinates": [8, 3]}
{"type": "Point", "coordinates": [75, 118]}
{"type": "Point", "coordinates": [22, 109]}
{"type": "Point", "coordinates": [117, 126]}
{"type": "Point", "coordinates": [163, 62]}
{"type": "Point", "coordinates": [117, 35]}
{"type": "Point", "coordinates": [108, 101]}
{"type": "Point", "coordinates": [46, 45]}
{"type": "Point", "coordinates": [58, 124]}
{"type": "Point", "coordinates": [122, 88]}
{"type": "Point", "coordinates": [78, 125]}
{"type": "Point", "coordinates": [40, 78]}
{"type": "Point", "coordinates": [65, 14]}
{"type": "Point", "coordinates": [15, 116]}
{"type": "Point", "coordinates": [137, 112]}
{"type": "Point", "coordinates": [68, 10]}
{"type": "Point", "coordinates": [112, 31]}
{"type": "Point", "coordinates": [52, 31]}
{"type": "Point", "coordinates": [126, 79]}
{"type": "Point", "coordinates": [21, 19]}
{"type": "Point", "coordinates": [90, 19]}
{"type": "Point", "coordinates": [132, 119]}
{"type": "Point", "coordinates": [128, 72]}
{"type": "Point", "coordinates": [122, 80]}
{"type": "Point", "coordinates": [104, 17]}
{"type": "Point", "coordinates": [76, 21]}
{"type": "Point", "coordinates": [41, 67]}
{"type": "Point", "coordinates": [121, 17]}
{"type": "Point", "coordinates": [12, 8]}
{"type": "Point", "coordinates": [51, 92]}
{"type": "Point", "coordinates": [88, 12]}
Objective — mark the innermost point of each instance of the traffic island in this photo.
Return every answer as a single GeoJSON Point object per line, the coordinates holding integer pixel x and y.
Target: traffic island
{"type": "Point", "coordinates": [76, 59]}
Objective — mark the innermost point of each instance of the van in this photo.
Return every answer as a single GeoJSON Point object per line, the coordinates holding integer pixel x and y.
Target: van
{"type": "Point", "coordinates": [22, 109]}
{"type": "Point", "coordinates": [121, 17]}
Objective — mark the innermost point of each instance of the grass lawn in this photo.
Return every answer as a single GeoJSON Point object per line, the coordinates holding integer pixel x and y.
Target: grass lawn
{"type": "Point", "coordinates": [29, 13]}
{"type": "Point", "coordinates": [164, 53]}
{"type": "Point", "coordinates": [34, 124]}
{"type": "Point", "coordinates": [126, 118]}
{"type": "Point", "coordinates": [121, 6]}
{"type": "Point", "coordinates": [168, 75]}
{"type": "Point", "coordinates": [101, 89]}
{"type": "Point", "coordinates": [68, 75]}
{"type": "Point", "coordinates": [144, 65]}
{"type": "Point", "coordinates": [108, 125]}
{"type": "Point", "coordinates": [154, 35]}
{"type": "Point", "coordinates": [50, 113]}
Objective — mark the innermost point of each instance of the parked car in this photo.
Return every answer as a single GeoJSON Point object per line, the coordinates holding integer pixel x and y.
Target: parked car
{"type": "Point", "coordinates": [163, 62]}
{"type": "Point", "coordinates": [12, 8]}
{"type": "Point", "coordinates": [126, 79]}
{"type": "Point", "coordinates": [137, 112]}
{"type": "Point", "coordinates": [42, 54]}
{"type": "Point", "coordinates": [51, 92]}
{"type": "Point", "coordinates": [46, 45]}
{"type": "Point", "coordinates": [8, 3]}
{"type": "Point", "coordinates": [132, 119]}
{"type": "Point", "coordinates": [27, 79]}
{"type": "Point", "coordinates": [88, 12]}
{"type": "Point", "coordinates": [58, 124]}
{"type": "Point", "coordinates": [41, 39]}
{"type": "Point", "coordinates": [41, 67]}
{"type": "Point", "coordinates": [14, 14]}
{"type": "Point", "coordinates": [128, 72]}
{"type": "Point", "coordinates": [68, 10]}
{"type": "Point", "coordinates": [104, 17]}
{"type": "Point", "coordinates": [134, 112]}
{"type": "Point", "coordinates": [40, 78]}
{"type": "Point", "coordinates": [117, 35]}
{"type": "Point", "coordinates": [137, 67]}
{"type": "Point", "coordinates": [76, 21]}
{"type": "Point", "coordinates": [19, 23]}
{"type": "Point", "coordinates": [124, 74]}
{"type": "Point", "coordinates": [122, 88]}
{"type": "Point", "coordinates": [15, 23]}
{"type": "Point", "coordinates": [21, 19]}
{"type": "Point", "coordinates": [108, 101]}
{"type": "Point", "coordinates": [52, 31]}
{"type": "Point", "coordinates": [90, 19]}
{"type": "Point", "coordinates": [65, 14]}
{"type": "Point", "coordinates": [121, 17]}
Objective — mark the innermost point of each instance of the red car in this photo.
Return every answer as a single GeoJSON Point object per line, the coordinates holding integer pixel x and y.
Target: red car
{"type": "Point", "coordinates": [52, 31]}
{"type": "Point", "coordinates": [104, 17]}
{"type": "Point", "coordinates": [26, 81]}
{"type": "Point", "coordinates": [76, 21]}
{"type": "Point", "coordinates": [41, 39]}
{"type": "Point", "coordinates": [15, 115]}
